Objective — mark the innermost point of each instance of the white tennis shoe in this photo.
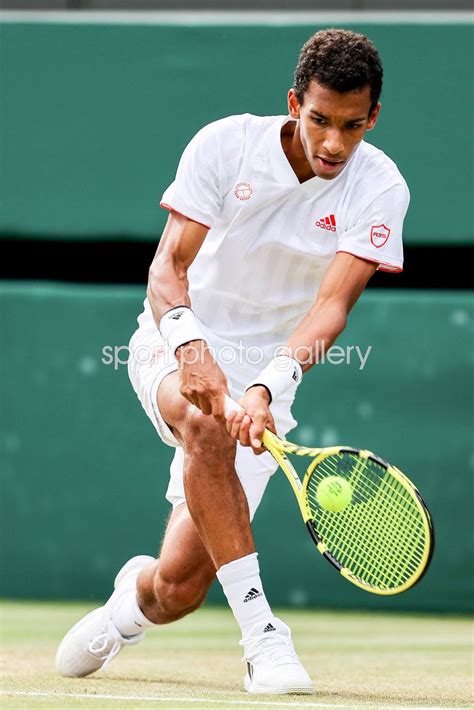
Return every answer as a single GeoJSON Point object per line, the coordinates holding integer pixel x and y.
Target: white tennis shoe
{"type": "Point", "coordinates": [94, 641]}
{"type": "Point", "coordinates": [272, 663]}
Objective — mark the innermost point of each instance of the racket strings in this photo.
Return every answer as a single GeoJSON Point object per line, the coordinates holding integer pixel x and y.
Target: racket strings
{"type": "Point", "coordinates": [387, 568]}
{"type": "Point", "coordinates": [396, 496]}
{"type": "Point", "coordinates": [369, 492]}
{"type": "Point", "coordinates": [360, 559]}
{"type": "Point", "coordinates": [380, 560]}
{"type": "Point", "coordinates": [390, 525]}
{"type": "Point", "coordinates": [384, 573]}
{"type": "Point", "coordinates": [380, 536]}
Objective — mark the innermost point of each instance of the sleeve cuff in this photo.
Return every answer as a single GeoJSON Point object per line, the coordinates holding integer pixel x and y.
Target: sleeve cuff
{"type": "Point", "coordinates": [193, 215]}
{"type": "Point", "coordinates": [392, 265]}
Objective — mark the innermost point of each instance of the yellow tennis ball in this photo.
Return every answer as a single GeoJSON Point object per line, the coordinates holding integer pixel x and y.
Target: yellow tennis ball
{"type": "Point", "coordinates": [334, 493]}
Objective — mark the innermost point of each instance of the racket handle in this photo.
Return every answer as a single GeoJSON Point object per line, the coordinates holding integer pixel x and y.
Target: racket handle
{"type": "Point", "coordinates": [230, 406]}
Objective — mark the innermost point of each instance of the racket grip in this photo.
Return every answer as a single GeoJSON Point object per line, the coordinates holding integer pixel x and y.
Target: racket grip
{"type": "Point", "coordinates": [230, 406]}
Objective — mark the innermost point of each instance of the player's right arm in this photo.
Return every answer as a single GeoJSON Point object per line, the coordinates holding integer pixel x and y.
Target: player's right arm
{"type": "Point", "coordinates": [202, 381]}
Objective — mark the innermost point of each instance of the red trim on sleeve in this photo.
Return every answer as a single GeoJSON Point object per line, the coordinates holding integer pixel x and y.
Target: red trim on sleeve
{"type": "Point", "coordinates": [388, 267]}
{"type": "Point", "coordinates": [170, 208]}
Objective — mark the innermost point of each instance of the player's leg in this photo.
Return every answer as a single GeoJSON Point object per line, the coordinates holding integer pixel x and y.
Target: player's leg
{"type": "Point", "coordinates": [214, 494]}
{"type": "Point", "coordinates": [178, 581]}
{"type": "Point", "coordinates": [146, 592]}
{"type": "Point", "coordinates": [219, 508]}
{"type": "Point", "coordinates": [217, 503]}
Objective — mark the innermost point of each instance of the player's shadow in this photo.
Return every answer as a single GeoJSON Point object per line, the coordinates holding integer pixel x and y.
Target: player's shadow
{"type": "Point", "coordinates": [165, 682]}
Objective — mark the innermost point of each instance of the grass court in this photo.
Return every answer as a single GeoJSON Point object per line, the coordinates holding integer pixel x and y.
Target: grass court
{"type": "Point", "coordinates": [357, 660]}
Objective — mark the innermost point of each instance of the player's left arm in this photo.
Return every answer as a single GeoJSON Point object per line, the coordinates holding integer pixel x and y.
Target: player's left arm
{"type": "Point", "coordinates": [373, 238]}
{"type": "Point", "coordinates": [341, 287]}
{"type": "Point", "coordinates": [343, 283]}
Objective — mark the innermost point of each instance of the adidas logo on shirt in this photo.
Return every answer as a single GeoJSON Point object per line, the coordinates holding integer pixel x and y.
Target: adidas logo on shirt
{"type": "Point", "coordinates": [268, 628]}
{"type": "Point", "coordinates": [252, 594]}
{"type": "Point", "coordinates": [328, 223]}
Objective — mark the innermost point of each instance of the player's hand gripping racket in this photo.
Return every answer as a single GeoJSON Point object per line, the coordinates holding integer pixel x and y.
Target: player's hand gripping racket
{"type": "Point", "coordinates": [364, 515]}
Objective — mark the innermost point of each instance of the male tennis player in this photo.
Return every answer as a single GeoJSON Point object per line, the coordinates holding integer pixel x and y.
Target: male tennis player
{"type": "Point", "coordinates": [276, 225]}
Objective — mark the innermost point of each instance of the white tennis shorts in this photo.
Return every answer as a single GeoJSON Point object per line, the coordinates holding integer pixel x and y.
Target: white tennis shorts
{"type": "Point", "coordinates": [148, 365]}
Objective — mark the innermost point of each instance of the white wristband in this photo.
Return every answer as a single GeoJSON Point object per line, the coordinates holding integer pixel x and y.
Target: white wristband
{"type": "Point", "coordinates": [179, 326]}
{"type": "Point", "coordinates": [280, 375]}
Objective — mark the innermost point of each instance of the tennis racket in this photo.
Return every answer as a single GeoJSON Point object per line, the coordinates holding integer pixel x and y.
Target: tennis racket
{"type": "Point", "coordinates": [364, 515]}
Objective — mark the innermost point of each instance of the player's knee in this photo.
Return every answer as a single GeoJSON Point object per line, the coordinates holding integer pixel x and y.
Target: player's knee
{"type": "Point", "coordinates": [178, 597]}
{"type": "Point", "coordinates": [201, 432]}
{"type": "Point", "coordinates": [168, 592]}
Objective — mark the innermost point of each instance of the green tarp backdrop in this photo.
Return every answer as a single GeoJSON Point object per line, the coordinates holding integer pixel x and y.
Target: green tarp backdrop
{"type": "Point", "coordinates": [84, 474]}
{"type": "Point", "coordinates": [95, 116]}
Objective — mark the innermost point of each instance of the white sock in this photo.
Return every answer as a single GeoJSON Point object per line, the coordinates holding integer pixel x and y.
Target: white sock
{"type": "Point", "coordinates": [243, 588]}
{"type": "Point", "coordinates": [127, 615]}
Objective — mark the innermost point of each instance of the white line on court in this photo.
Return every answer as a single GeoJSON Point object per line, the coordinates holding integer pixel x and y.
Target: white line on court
{"type": "Point", "coordinates": [245, 703]}
{"type": "Point", "coordinates": [229, 17]}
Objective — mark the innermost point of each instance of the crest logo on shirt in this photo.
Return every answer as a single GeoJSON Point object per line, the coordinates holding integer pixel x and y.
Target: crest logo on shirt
{"type": "Point", "coordinates": [243, 191]}
{"type": "Point", "coordinates": [379, 235]}
{"type": "Point", "coordinates": [328, 223]}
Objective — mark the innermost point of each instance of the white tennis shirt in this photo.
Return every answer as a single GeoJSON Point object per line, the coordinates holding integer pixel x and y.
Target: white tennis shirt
{"type": "Point", "coordinates": [271, 238]}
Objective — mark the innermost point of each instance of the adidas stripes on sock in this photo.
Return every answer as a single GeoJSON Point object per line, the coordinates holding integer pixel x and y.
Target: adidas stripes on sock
{"type": "Point", "coordinates": [243, 588]}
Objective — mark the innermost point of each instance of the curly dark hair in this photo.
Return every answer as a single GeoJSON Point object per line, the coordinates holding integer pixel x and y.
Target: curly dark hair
{"type": "Point", "coordinates": [341, 60]}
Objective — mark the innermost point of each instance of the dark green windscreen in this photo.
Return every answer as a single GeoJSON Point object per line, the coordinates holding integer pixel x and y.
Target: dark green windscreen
{"type": "Point", "coordinates": [83, 473]}
{"type": "Point", "coordinates": [94, 118]}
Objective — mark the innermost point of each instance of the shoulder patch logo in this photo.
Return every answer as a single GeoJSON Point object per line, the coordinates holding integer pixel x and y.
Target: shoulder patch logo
{"type": "Point", "coordinates": [243, 191]}
{"type": "Point", "coordinates": [379, 235]}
